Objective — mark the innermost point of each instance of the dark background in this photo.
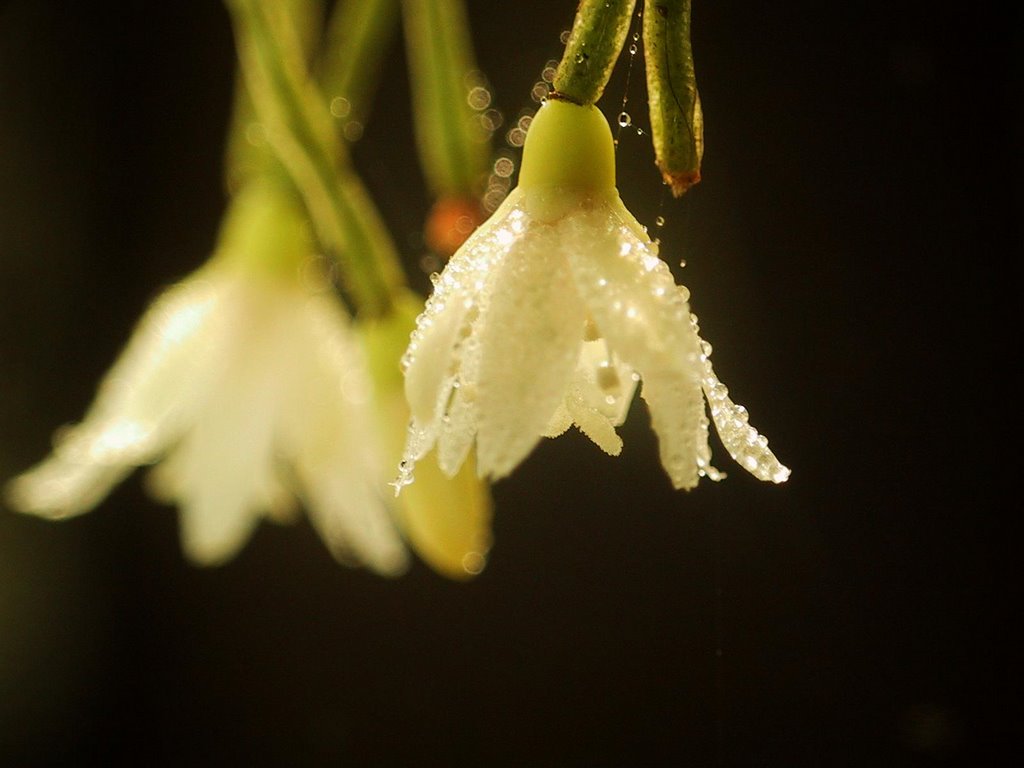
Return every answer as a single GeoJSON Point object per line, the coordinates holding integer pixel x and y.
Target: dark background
{"type": "Point", "coordinates": [851, 253]}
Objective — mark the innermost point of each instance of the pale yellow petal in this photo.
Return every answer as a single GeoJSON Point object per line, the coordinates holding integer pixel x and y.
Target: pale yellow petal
{"type": "Point", "coordinates": [746, 446]}
{"type": "Point", "coordinates": [644, 317]}
{"type": "Point", "coordinates": [329, 439]}
{"type": "Point", "coordinates": [529, 335]}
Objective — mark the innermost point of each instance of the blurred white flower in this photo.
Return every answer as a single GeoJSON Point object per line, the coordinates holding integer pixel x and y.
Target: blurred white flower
{"type": "Point", "coordinates": [552, 313]}
{"type": "Point", "coordinates": [249, 384]}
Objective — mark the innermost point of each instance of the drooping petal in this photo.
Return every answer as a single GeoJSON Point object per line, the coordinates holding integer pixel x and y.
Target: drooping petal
{"type": "Point", "coordinates": [676, 418]}
{"type": "Point", "coordinates": [58, 488]}
{"type": "Point", "coordinates": [560, 421]}
{"type": "Point", "coordinates": [433, 352]}
{"type": "Point", "coordinates": [644, 316]}
{"type": "Point", "coordinates": [529, 334]}
{"type": "Point", "coordinates": [148, 398]}
{"type": "Point", "coordinates": [154, 388]}
{"type": "Point", "coordinates": [748, 448]}
{"type": "Point", "coordinates": [328, 437]}
{"type": "Point", "coordinates": [600, 393]}
{"type": "Point", "coordinates": [224, 474]}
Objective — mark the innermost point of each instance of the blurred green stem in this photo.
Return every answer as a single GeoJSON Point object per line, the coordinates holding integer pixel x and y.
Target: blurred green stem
{"type": "Point", "coordinates": [677, 123]}
{"type": "Point", "coordinates": [300, 131]}
{"type": "Point", "coordinates": [247, 154]}
{"type": "Point", "coordinates": [359, 33]}
{"type": "Point", "coordinates": [452, 143]}
{"type": "Point", "coordinates": [595, 42]}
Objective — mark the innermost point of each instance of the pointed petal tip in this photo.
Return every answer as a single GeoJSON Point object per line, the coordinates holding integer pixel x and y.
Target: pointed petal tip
{"type": "Point", "coordinates": [57, 489]}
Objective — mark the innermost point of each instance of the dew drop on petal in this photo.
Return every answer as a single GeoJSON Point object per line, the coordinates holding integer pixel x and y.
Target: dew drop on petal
{"type": "Point", "coordinates": [624, 119]}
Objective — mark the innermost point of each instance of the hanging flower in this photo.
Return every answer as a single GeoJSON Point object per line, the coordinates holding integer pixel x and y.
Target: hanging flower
{"type": "Point", "coordinates": [552, 313]}
{"type": "Point", "coordinates": [247, 382]}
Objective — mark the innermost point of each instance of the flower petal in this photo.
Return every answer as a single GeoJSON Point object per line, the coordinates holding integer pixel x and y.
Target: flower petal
{"type": "Point", "coordinates": [328, 438]}
{"type": "Point", "coordinates": [432, 362]}
{"type": "Point", "coordinates": [599, 396]}
{"type": "Point", "coordinates": [147, 398]}
{"type": "Point", "coordinates": [155, 386]}
{"type": "Point", "coordinates": [529, 334]}
{"type": "Point", "coordinates": [644, 316]}
{"type": "Point", "coordinates": [224, 471]}
{"type": "Point", "coordinates": [748, 448]}
{"type": "Point", "coordinates": [58, 488]}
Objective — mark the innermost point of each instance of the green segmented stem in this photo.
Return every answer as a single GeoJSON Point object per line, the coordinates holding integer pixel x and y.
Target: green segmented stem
{"type": "Point", "coordinates": [677, 123]}
{"type": "Point", "coordinates": [598, 33]}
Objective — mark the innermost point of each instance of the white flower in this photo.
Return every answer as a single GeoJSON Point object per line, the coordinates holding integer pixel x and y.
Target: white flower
{"type": "Point", "coordinates": [550, 315]}
{"type": "Point", "coordinates": [251, 386]}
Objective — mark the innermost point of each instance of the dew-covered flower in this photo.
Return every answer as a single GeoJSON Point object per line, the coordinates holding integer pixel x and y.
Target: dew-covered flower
{"type": "Point", "coordinates": [246, 382]}
{"type": "Point", "coordinates": [552, 313]}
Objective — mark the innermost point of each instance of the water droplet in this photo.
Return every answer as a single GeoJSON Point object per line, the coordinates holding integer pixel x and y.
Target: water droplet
{"type": "Point", "coordinates": [353, 130]}
{"type": "Point", "coordinates": [632, 49]}
{"type": "Point", "coordinates": [491, 119]}
{"type": "Point", "coordinates": [340, 106]}
{"type": "Point", "coordinates": [504, 167]}
{"type": "Point", "coordinates": [473, 563]}
{"type": "Point", "coordinates": [580, 57]}
{"type": "Point", "coordinates": [479, 98]}
{"type": "Point", "coordinates": [624, 119]}
{"type": "Point", "coordinates": [660, 221]}
{"type": "Point", "coordinates": [435, 278]}
{"type": "Point", "coordinates": [682, 262]}
{"type": "Point", "coordinates": [516, 137]}
{"type": "Point", "coordinates": [564, 37]}
{"type": "Point", "coordinates": [430, 263]}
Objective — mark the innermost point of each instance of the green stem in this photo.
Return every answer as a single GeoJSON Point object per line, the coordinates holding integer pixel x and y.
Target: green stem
{"type": "Point", "coordinates": [300, 131]}
{"type": "Point", "coordinates": [359, 34]}
{"type": "Point", "coordinates": [452, 143]}
{"type": "Point", "coordinates": [677, 123]}
{"type": "Point", "coordinates": [247, 154]}
{"type": "Point", "coordinates": [598, 34]}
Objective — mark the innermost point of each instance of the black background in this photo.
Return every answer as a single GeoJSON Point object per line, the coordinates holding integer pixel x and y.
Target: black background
{"type": "Point", "coordinates": [852, 253]}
